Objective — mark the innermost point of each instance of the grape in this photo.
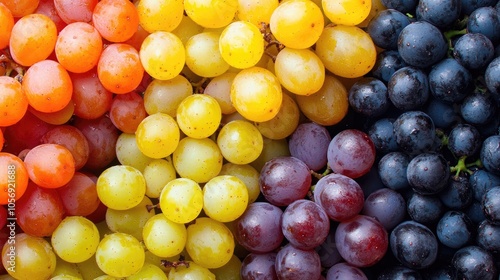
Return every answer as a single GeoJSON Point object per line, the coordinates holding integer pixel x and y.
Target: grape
{"type": "Point", "coordinates": [415, 132]}
{"type": "Point", "coordinates": [225, 198]}
{"type": "Point", "coordinates": [481, 181]}
{"type": "Point", "coordinates": [488, 236]}
{"type": "Point", "coordinates": [284, 123]}
{"type": "Point", "coordinates": [116, 21]}
{"type": "Point", "coordinates": [191, 271]}
{"type": "Point", "coordinates": [181, 200]}
{"type": "Point", "coordinates": [346, 12]}
{"type": "Point", "coordinates": [442, 113]}
{"type": "Point", "coordinates": [400, 272]}
{"type": "Point", "coordinates": [392, 169]}
{"type": "Point", "coordinates": [387, 206]}
{"type": "Point", "coordinates": [284, 180]}
{"type": "Point", "coordinates": [272, 149]}
{"type": "Point", "coordinates": [164, 96]}
{"type": "Point", "coordinates": [211, 13]}
{"type": "Point", "coordinates": [454, 229]}
{"type": "Point", "coordinates": [351, 152]}
{"type": "Point", "coordinates": [449, 81]}
{"type": "Point", "coordinates": [385, 27]}
{"type": "Point", "coordinates": [464, 140]}
{"type": "Point", "coordinates": [157, 135]}
{"type": "Point", "coordinates": [120, 255]}
{"type": "Point", "coordinates": [475, 212]}
{"type": "Point", "coordinates": [71, 138]}
{"type": "Point", "coordinates": [491, 77]}
{"type": "Point", "coordinates": [327, 251]}
{"type": "Point", "coordinates": [240, 142]}
{"type": "Point", "coordinates": [14, 164]}
{"type": "Point", "coordinates": [14, 103]}
{"type": "Point", "coordinates": [130, 221]}
{"type": "Point", "coordinates": [491, 205]}
{"type": "Point", "coordinates": [75, 239]}
{"type": "Point", "coordinates": [381, 133]}
{"type": "Point", "coordinates": [91, 100]}
{"type": "Point", "coordinates": [230, 271]}
{"type": "Point", "coordinates": [428, 173]}
{"type": "Point", "coordinates": [247, 174]}
{"type": "Point", "coordinates": [197, 159]}
{"type": "Point", "coordinates": [198, 115]}
{"type": "Point", "coordinates": [368, 96]}
{"type": "Point", "coordinates": [388, 62]}
{"type": "Point", "coordinates": [204, 55]}
{"type": "Point", "coordinates": [442, 14]}
{"type": "Point", "coordinates": [485, 20]}
{"type": "Point", "coordinates": [79, 195]}
{"type": "Point", "coordinates": [458, 193]}
{"type": "Point", "coordinates": [163, 237]}
{"type": "Point", "coordinates": [75, 11]}
{"type": "Point", "coordinates": [473, 50]}
{"type": "Point", "coordinates": [309, 143]}
{"type": "Point", "coordinates": [345, 271]}
{"type": "Point", "coordinates": [258, 267]}
{"type": "Point", "coordinates": [163, 15]}
{"type": "Point", "coordinates": [6, 29]}
{"type": "Point", "coordinates": [127, 111]}
{"type": "Point", "coordinates": [241, 44]}
{"type": "Point", "coordinates": [66, 269]}
{"type": "Point", "coordinates": [488, 156]}
{"type": "Point", "coordinates": [408, 88]}
{"type": "Point", "coordinates": [294, 263]}
{"type": "Point", "coordinates": [425, 209]}
{"type": "Point", "coordinates": [256, 12]}
{"type": "Point", "coordinates": [220, 88]}
{"type": "Point", "coordinates": [149, 271]}
{"type": "Point", "coordinates": [473, 262]}
{"type": "Point", "coordinates": [121, 187]}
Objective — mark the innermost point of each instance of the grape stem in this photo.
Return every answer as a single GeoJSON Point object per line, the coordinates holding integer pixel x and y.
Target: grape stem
{"type": "Point", "coordinates": [317, 175]}
{"type": "Point", "coordinates": [11, 66]}
{"type": "Point", "coordinates": [175, 264]}
{"type": "Point", "coordinates": [461, 166]}
{"type": "Point", "coordinates": [150, 207]}
{"type": "Point", "coordinates": [199, 86]}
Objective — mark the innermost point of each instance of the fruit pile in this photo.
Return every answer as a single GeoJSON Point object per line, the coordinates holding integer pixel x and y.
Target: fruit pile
{"type": "Point", "coordinates": [244, 139]}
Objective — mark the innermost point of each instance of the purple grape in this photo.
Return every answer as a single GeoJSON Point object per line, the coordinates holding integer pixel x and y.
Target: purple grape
{"type": "Point", "coordinates": [387, 206]}
{"type": "Point", "coordinates": [309, 143]}
{"type": "Point", "coordinates": [258, 267]}
{"type": "Point", "coordinates": [294, 263]}
{"type": "Point", "coordinates": [345, 271]}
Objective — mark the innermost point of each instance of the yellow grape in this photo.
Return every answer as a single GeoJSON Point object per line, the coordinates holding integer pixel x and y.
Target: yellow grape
{"type": "Point", "coordinates": [225, 198]}
{"type": "Point", "coordinates": [246, 173]}
{"type": "Point", "coordinates": [240, 142]}
{"type": "Point", "coordinates": [284, 123]}
{"type": "Point", "coordinates": [160, 15]}
{"type": "Point", "coordinates": [272, 149]}
{"type": "Point", "coordinates": [346, 51]}
{"type": "Point", "coordinates": [346, 12]}
{"type": "Point", "coordinates": [120, 255]}
{"type": "Point", "coordinates": [157, 174]}
{"type": "Point", "coordinates": [256, 11]}
{"type": "Point", "coordinates": [162, 55]}
{"type": "Point", "coordinates": [181, 200]}
{"type": "Point", "coordinates": [220, 88]}
{"type": "Point", "coordinates": [187, 28]}
{"type": "Point", "coordinates": [191, 272]}
{"type": "Point", "coordinates": [149, 271]}
{"type": "Point", "coordinates": [128, 153]}
{"type": "Point", "coordinates": [256, 94]}
{"type": "Point", "coordinates": [300, 71]}
{"type": "Point", "coordinates": [203, 56]}
{"type": "Point", "coordinates": [211, 13]}
{"type": "Point", "coordinates": [241, 44]}
{"type": "Point", "coordinates": [75, 239]}
{"type": "Point", "coordinates": [163, 237]}
{"type": "Point", "coordinates": [165, 96]}
{"type": "Point", "coordinates": [329, 105]}
{"type": "Point", "coordinates": [199, 115]}
{"type": "Point", "coordinates": [157, 135]}
{"type": "Point", "coordinates": [130, 221]}
{"type": "Point", "coordinates": [197, 159]}
{"type": "Point", "coordinates": [106, 277]}
{"type": "Point", "coordinates": [209, 243]}
{"type": "Point", "coordinates": [230, 271]}
{"type": "Point", "coordinates": [89, 268]}
{"type": "Point", "coordinates": [297, 23]}
{"type": "Point", "coordinates": [66, 269]}
{"type": "Point", "coordinates": [121, 187]}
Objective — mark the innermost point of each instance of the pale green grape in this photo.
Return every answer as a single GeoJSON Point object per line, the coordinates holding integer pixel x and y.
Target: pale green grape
{"type": "Point", "coordinates": [89, 269]}
{"type": "Point", "coordinates": [158, 135]}
{"type": "Point", "coordinates": [256, 11]}
{"type": "Point", "coordinates": [130, 221]}
{"type": "Point", "coordinates": [162, 55]}
{"type": "Point", "coordinates": [209, 243]}
{"type": "Point", "coordinates": [240, 142]}
{"type": "Point", "coordinates": [75, 239]}
{"type": "Point", "coordinates": [346, 12]}
{"type": "Point", "coordinates": [284, 123]}
{"type": "Point", "coordinates": [165, 96]}
{"type": "Point", "coordinates": [191, 272]}
{"type": "Point", "coordinates": [150, 272]}
{"type": "Point", "coordinates": [272, 149]}
{"type": "Point", "coordinates": [299, 70]}
{"type": "Point", "coordinates": [230, 271]}
{"type": "Point", "coordinates": [64, 268]}
{"type": "Point", "coordinates": [34, 258]}
{"type": "Point", "coordinates": [121, 187]}
{"type": "Point", "coordinates": [181, 200]}
{"type": "Point", "coordinates": [160, 15]}
{"type": "Point", "coordinates": [211, 13]}
{"type": "Point", "coordinates": [197, 159]}
{"type": "Point", "coordinates": [199, 115]}
{"type": "Point", "coordinates": [247, 174]}
{"type": "Point", "coordinates": [220, 88]}
{"type": "Point", "coordinates": [157, 174]}
{"type": "Point", "coordinates": [241, 44]}
{"type": "Point", "coordinates": [203, 56]}
{"type": "Point", "coordinates": [163, 237]}
{"type": "Point", "coordinates": [256, 94]}
{"type": "Point", "coordinates": [187, 28]}
{"type": "Point", "coordinates": [225, 198]}
{"type": "Point", "coordinates": [128, 153]}
{"type": "Point", "coordinates": [120, 255]}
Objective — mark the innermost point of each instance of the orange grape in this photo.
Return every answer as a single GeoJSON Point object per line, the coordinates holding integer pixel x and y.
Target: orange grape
{"type": "Point", "coordinates": [20, 8]}
{"type": "Point", "coordinates": [90, 97]}
{"type": "Point", "coordinates": [75, 10]}
{"type": "Point", "coordinates": [48, 86]}
{"type": "Point", "coordinates": [13, 101]}
{"type": "Point", "coordinates": [127, 111]}
{"type": "Point", "coordinates": [119, 68]}
{"type": "Point", "coordinates": [6, 24]}
{"type": "Point", "coordinates": [59, 117]}
{"type": "Point", "coordinates": [78, 47]}
{"type": "Point", "coordinates": [14, 180]}
{"type": "Point", "coordinates": [28, 35]}
{"type": "Point", "coordinates": [116, 20]}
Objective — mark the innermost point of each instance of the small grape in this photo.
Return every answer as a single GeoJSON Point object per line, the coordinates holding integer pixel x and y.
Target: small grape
{"type": "Point", "coordinates": [120, 255]}
{"type": "Point", "coordinates": [163, 237]}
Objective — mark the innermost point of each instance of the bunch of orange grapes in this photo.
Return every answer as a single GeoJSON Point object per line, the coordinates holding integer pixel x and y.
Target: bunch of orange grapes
{"type": "Point", "coordinates": [132, 133]}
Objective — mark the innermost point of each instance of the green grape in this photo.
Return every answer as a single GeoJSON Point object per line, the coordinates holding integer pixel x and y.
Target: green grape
{"type": "Point", "coordinates": [130, 221]}
{"type": "Point", "coordinates": [220, 88]}
{"type": "Point", "coordinates": [225, 198]}
{"type": "Point", "coordinates": [241, 44]}
{"type": "Point", "coordinates": [299, 70]}
{"type": "Point", "coordinates": [297, 23]}
{"type": "Point", "coordinates": [203, 56]}
{"type": "Point", "coordinates": [157, 174]}
{"type": "Point", "coordinates": [160, 15]}
{"type": "Point", "coordinates": [192, 271]}
{"type": "Point", "coordinates": [120, 255]}
{"type": "Point", "coordinates": [197, 159]}
{"type": "Point", "coordinates": [230, 271]}
{"type": "Point", "coordinates": [89, 269]}
{"type": "Point", "coordinates": [240, 142]}
{"type": "Point", "coordinates": [256, 11]}
{"type": "Point", "coordinates": [162, 55]}
{"type": "Point", "coordinates": [284, 123]}
{"type": "Point", "coordinates": [157, 135]}
{"type": "Point", "coordinates": [209, 243]}
{"type": "Point", "coordinates": [128, 153]}
{"type": "Point", "coordinates": [199, 115]}
{"type": "Point", "coordinates": [346, 12]}
{"type": "Point", "coordinates": [181, 200]}
{"type": "Point", "coordinates": [150, 272]}
{"type": "Point", "coordinates": [30, 258]}
{"type": "Point", "coordinates": [66, 269]}
{"type": "Point", "coordinates": [272, 148]}
{"type": "Point", "coordinates": [186, 29]}
{"type": "Point", "coordinates": [165, 96]}
{"type": "Point", "coordinates": [75, 239]}
{"type": "Point", "coordinates": [211, 13]}
{"type": "Point", "coordinates": [121, 187]}
{"type": "Point", "coordinates": [247, 174]}
{"type": "Point", "coordinates": [256, 94]}
{"type": "Point", "coordinates": [163, 237]}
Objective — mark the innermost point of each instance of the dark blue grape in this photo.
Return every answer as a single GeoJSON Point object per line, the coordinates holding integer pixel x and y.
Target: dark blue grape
{"type": "Point", "coordinates": [441, 13]}
{"type": "Point", "coordinates": [392, 170]}
{"type": "Point", "coordinates": [425, 209]}
{"type": "Point", "coordinates": [491, 205]}
{"type": "Point", "coordinates": [399, 273]}
{"type": "Point", "coordinates": [468, 6]}
{"type": "Point", "coordinates": [293, 263]}
{"type": "Point", "coordinates": [415, 132]}
{"type": "Point", "coordinates": [368, 96]}
{"type": "Point", "coordinates": [327, 251]}
{"type": "Point", "coordinates": [428, 173]}
{"type": "Point", "coordinates": [490, 154]}
{"type": "Point", "coordinates": [475, 212]}
{"type": "Point", "coordinates": [449, 81]}
{"type": "Point", "coordinates": [258, 267]}
{"type": "Point", "coordinates": [473, 263]}
{"type": "Point", "coordinates": [458, 194]}
{"type": "Point", "coordinates": [492, 76]}
{"type": "Point", "coordinates": [442, 113]}
{"type": "Point", "coordinates": [485, 20]}
{"type": "Point", "coordinates": [386, 64]}
{"type": "Point", "coordinates": [404, 6]}
{"type": "Point", "coordinates": [481, 181]}
{"type": "Point", "coordinates": [408, 88]}
{"type": "Point", "coordinates": [488, 236]}
{"type": "Point", "coordinates": [345, 271]}
{"type": "Point", "coordinates": [414, 245]}
{"type": "Point", "coordinates": [478, 109]}
{"type": "Point", "coordinates": [455, 229]}
{"type": "Point", "coordinates": [473, 50]}
{"type": "Point", "coordinates": [382, 134]}
{"type": "Point", "coordinates": [385, 26]}
{"type": "Point", "coordinates": [464, 140]}
{"type": "Point", "coordinates": [421, 44]}
{"type": "Point", "coordinates": [309, 143]}
{"type": "Point", "coordinates": [387, 206]}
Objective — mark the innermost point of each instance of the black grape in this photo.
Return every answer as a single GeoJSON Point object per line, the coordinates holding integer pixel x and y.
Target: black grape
{"type": "Point", "coordinates": [309, 143]}
{"type": "Point", "coordinates": [478, 109]}
{"type": "Point", "coordinates": [385, 27]}
{"type": "Point", "coordinates": [458, 194]}
{"type": "Point", "coordinates": [258, 267]}
{"type": "Point", "coordinates": [473, 263]}
{"type": "Point", "coordinates": [485, 20]}
{"type": "Point", "coordinates": [488, 236]}
{"type": "Point", "coordinates": [449, 81]}
{"type": "Point", "coordinates": [404, 6]}
{"type": "Point", "coordinates": [388, 62]}
{"type": "Point", "coordinates": [489, 154]}
{"type": "Point", "coordinates": [441, 13]}
{"type": "Point", "coordinates": [408, 88]}
{"type": "Point", "coordinates": [425, 209]}
{"type": "Point", "coordinates": [481, 181]}
{"type": "Point", "coordinates": [475, 212]}
{"type": "Point", "coordinates": [464, 140]}
{"type": "Point", "coordinates": [387, 206]}
{"type": "Point", "coordinates": [468, 6]}
{"type": "Point", "coordinates": [368, 96]}
{"type": "Point", "coordinates": [382, 134]}
{"type": "Point", "coordinates": [492, 76]}
{"type": "Point", "coordinates": [392, 170]}
{"type": "Point", "coordinates": [415, 132]}
{"type": "Point", "coordinates": [473, 50]}
{"type": "Point", "coordinates": [294, 263]}
{"type": "Point", "coordinates": [428, 173]}
{"type": "Point", "coordinates": [491, 205]}
{"type": "Point", "coordinates": [455, 229]}
{"type": "Point", "coordinates": [443, 114]}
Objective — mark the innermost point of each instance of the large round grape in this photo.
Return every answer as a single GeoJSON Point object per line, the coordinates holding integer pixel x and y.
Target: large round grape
{"type": "Point", "coordinates": [428, 173]}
